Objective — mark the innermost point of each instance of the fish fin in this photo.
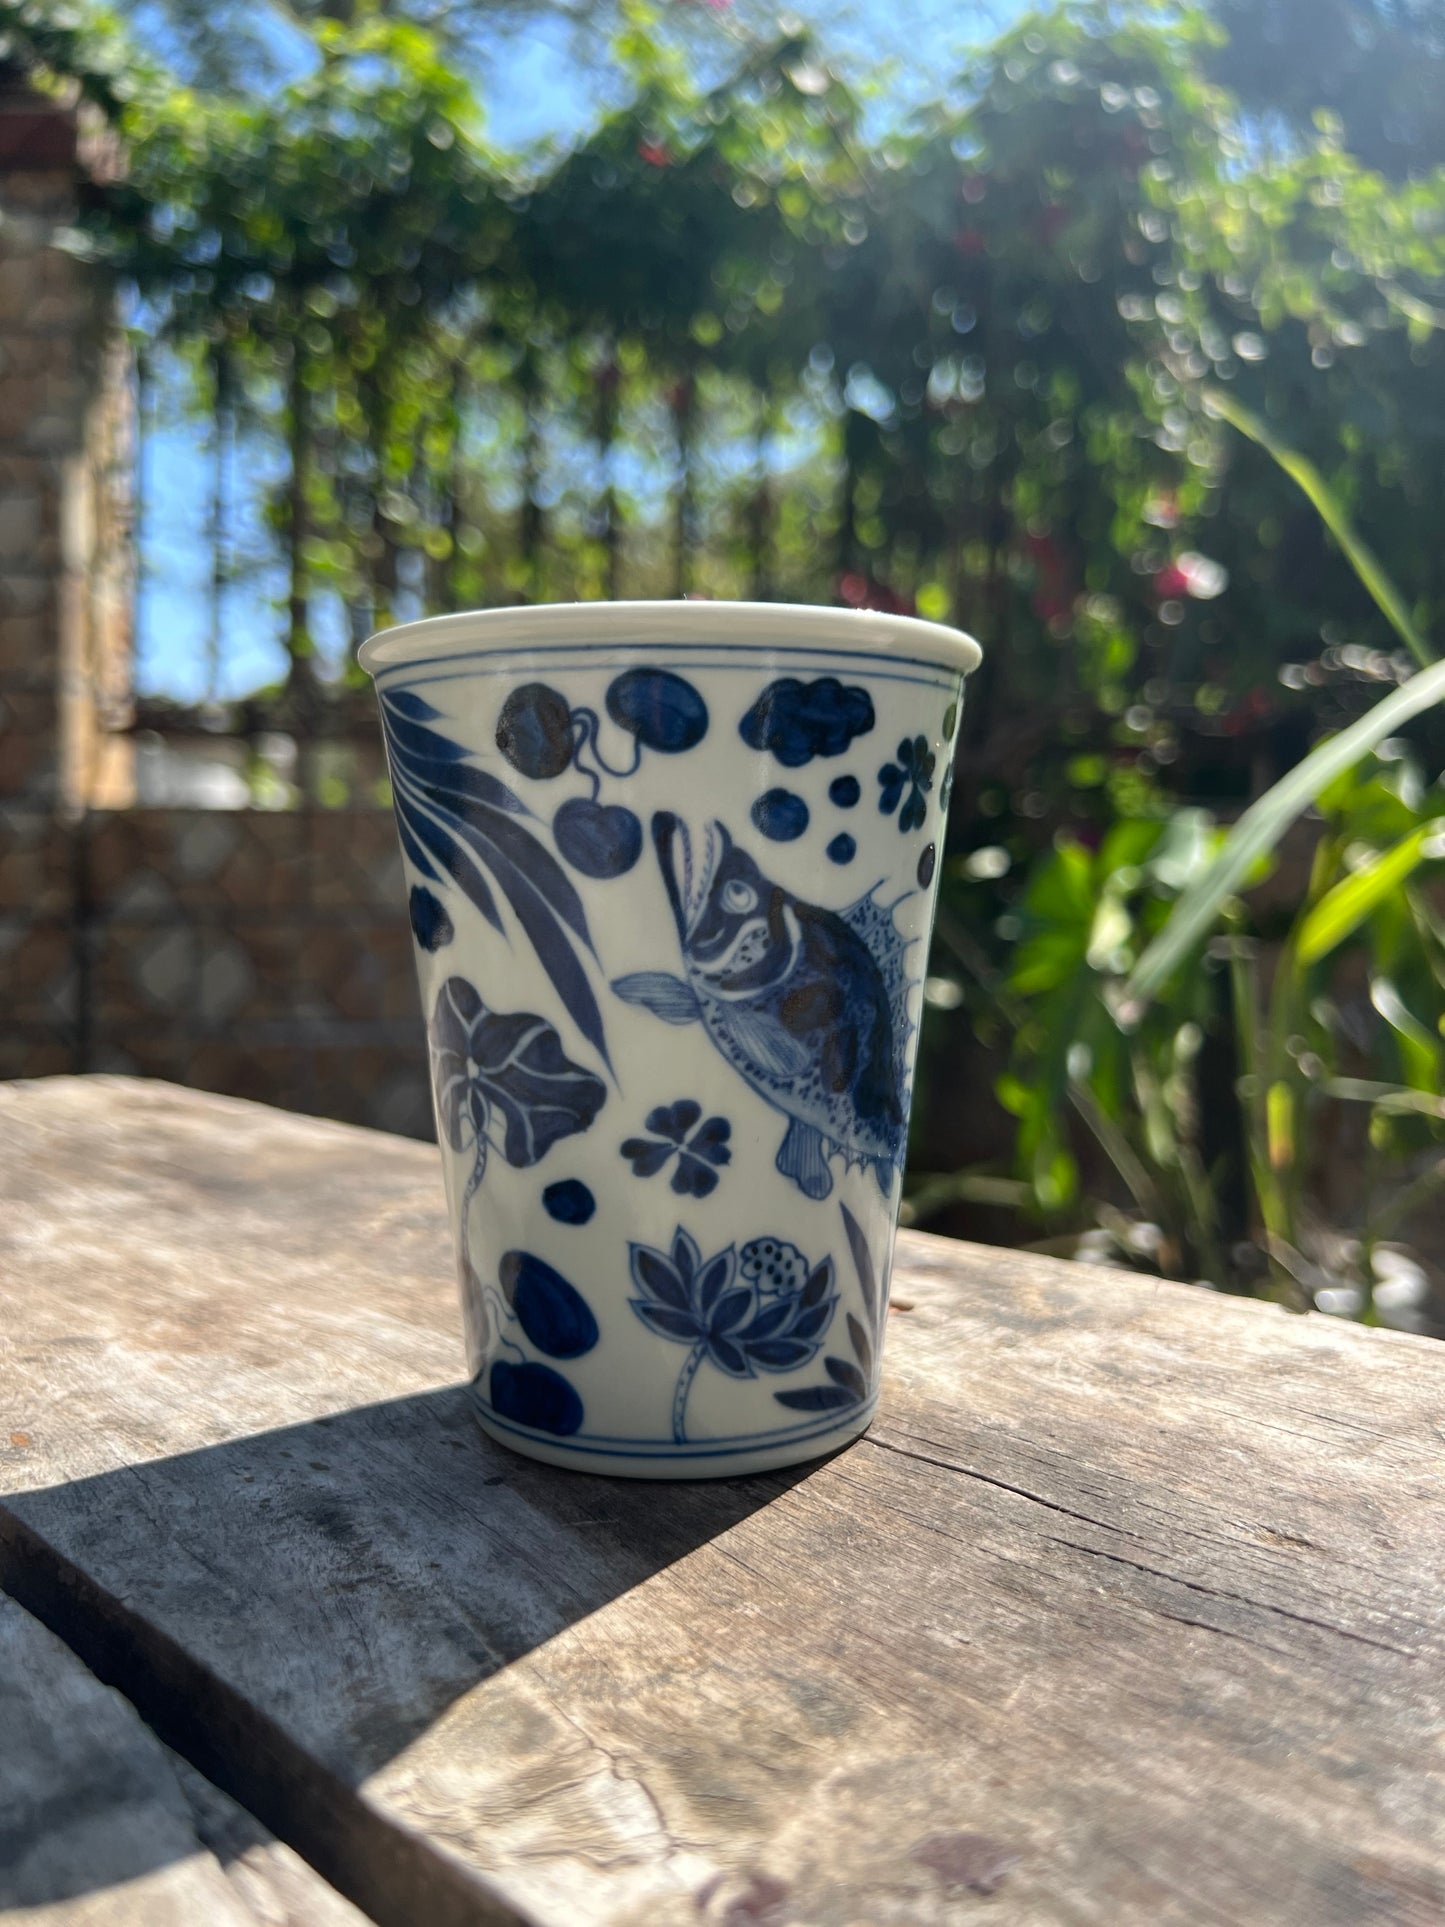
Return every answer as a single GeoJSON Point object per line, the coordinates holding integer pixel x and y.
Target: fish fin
{"type": "Point", "coordinates": [803, 1158]}
{"type": "Point", "coordinates": [873, 922]}
{"type": "Point", "coordinates": [666, 997]}
{"type": "Point", "coordinates": [767, 1045]}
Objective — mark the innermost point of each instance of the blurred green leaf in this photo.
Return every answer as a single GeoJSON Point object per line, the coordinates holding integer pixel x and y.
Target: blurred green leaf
{"type": "Point", "coordinates": [1387, 597]}
{"type": "Point", "coordinates": [1341, 911]}
{"type": "Point", "coordinates": [1261, 827]}
{"type": "Point", "coordinates": [1419, 1051]}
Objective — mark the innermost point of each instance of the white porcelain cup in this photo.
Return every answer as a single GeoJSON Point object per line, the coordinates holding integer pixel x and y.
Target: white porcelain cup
{"type": "Point", "coordinates": [672, 870]}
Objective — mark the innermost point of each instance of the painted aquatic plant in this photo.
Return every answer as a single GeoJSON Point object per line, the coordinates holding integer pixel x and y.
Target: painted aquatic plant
{"type": "Point", "coordinates": [502, 1082]}
{"type": "Point", "coordinates": [461, 823]}
{"type": "Point", "coordinates": [542, 734]}
{"type": "Point", "coordinates": [739, 1327]}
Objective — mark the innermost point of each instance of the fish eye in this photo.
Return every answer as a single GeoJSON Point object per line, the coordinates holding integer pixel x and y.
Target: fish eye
{"type": "Point", "coordinates": [738, 897]}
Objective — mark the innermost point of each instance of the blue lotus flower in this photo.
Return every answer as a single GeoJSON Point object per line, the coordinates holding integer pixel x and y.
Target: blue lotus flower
{"type": "Point", "coordinates": [696, 1151]}
{"type": "Point", "coordinates": [729, 1324]}
{"type": "Point", "coordinates": [912, 772]}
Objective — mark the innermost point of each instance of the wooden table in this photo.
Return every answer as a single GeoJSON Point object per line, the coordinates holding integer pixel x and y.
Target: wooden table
{"type": "Point", "coordinates": [1130, 1607]}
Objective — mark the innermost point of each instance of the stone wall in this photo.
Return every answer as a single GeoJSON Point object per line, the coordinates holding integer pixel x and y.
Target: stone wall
{"type": "Point", "coordinates": [66, 462]}
{"type": "Point", "coordinates": [261, 954]}
{"type": "Point", "coordinates": [264, 954]}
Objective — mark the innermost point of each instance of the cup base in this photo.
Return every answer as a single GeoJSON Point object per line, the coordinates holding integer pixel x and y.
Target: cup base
{"type": "Point", "coordinates": [733, 1460]}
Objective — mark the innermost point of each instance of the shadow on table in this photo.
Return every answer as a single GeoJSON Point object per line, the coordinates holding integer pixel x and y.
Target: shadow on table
{"type": "Point", "coordinates": [291, 1610]}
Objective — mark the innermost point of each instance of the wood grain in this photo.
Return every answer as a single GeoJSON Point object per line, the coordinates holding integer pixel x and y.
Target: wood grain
{"type": "Point", "coordinates": [275, 1884]}
{"type": "Point", "coordinates": [101, 1827]}
{"type": "Point", "coordinates": [1128, 1609]}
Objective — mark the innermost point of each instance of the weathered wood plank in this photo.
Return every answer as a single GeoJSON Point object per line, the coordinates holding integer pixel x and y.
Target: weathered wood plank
{"type": "Point", "coordinates": [94, 1831]}
{"type": "Point", "coordinates": [1128, 1609]}
{"type": "Point", "coordinates": [275, 1883]}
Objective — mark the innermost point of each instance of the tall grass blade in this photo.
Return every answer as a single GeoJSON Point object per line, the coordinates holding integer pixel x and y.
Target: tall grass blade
{"type": "Point", "coordinates": [1308, 479]}
{"type": "Point", "coordinates": [1261, 827]}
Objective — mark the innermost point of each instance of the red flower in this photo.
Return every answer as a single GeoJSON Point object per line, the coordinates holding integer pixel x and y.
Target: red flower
{"type": "Point", "coordinates": [654, 153]}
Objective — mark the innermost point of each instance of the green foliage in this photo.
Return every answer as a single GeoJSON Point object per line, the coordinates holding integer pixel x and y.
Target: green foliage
{"type": "Point", "coordinates": [1376, 66]}
{"type": "Point", "coordinates": [1143, 386]}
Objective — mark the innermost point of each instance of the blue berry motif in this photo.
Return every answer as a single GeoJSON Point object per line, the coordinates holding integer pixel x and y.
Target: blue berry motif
{"type": "Point", "coordinates": [569, 1201]}
{"type": "Point", "coordinates": [796, 721]}
{"type": "Point", "coordinates": [781, 816]}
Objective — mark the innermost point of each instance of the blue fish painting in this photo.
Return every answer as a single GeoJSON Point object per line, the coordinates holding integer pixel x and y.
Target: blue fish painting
{"type": "Point", "coordinates": [808, 1005]}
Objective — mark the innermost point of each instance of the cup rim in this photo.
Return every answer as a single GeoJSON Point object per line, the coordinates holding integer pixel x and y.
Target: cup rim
{"type": "Point", "coordinates": [686, 624]}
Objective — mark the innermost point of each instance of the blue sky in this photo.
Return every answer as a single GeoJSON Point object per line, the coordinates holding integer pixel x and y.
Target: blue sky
{"type": "Point", "coordinates": [540, 88]}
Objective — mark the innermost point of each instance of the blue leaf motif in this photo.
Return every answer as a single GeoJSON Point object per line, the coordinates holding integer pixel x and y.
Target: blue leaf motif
{"type": "Point", "coordinates": [847, 1375]}
{"type": "Point", "coordinates": [493, 1072]}
{"type": "Point", "coordinates": [461, 822]}
{"type": "Point", "coordinates": [535, 1396]}
{"type": "Point", "coordinates": [430, 924]}
{"type": "Point", "coordinates": [816, 1398]}
{"type": "Point", "coordinates": [551, 1310]}
{"type": "Point", "coordinates": [850, 1381]}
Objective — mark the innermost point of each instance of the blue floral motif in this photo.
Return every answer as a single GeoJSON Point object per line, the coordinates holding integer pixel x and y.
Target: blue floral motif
{"type": "Point", "coordinates": [797, 721]}
{"type": "Point", "coordinates": [849, 1381]}
{"type": "Point", "coordinates": [731, 1325]}
{"type": "Point", "coordinates": [842, 849]}
{"type": "Point", "coordinates": [461, 823]}
{"type": "Point", "coordinates": [697, 1151]}
{"type": "Point", "coordinates": [844, 791]}
{"type": "Point", "coordinates": [914, 772]}
{"type": "Point", "coordinates": [926, 865]}
{"type": "Point", "coordinates": [502, 1082]}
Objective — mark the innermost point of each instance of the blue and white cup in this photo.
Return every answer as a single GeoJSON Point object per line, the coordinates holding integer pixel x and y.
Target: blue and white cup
{"type": "Point", "coordinates": [672, 871]}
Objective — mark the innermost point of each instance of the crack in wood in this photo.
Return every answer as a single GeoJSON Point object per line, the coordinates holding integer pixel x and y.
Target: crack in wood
{"type": "Point", "coordinates": [1239, 1599]}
